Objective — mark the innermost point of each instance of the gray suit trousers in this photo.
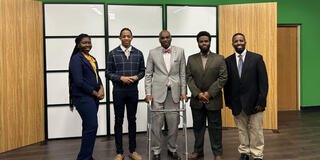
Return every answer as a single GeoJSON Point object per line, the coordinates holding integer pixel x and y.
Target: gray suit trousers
{"type": "Point", "coordinates": [173, 120]}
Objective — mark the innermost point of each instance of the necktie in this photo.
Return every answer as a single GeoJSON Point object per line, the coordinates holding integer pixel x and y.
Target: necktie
{"type": "Point", "coordinates": [127, 53]}
{"type": "Point", "coordinates": [240, 63]}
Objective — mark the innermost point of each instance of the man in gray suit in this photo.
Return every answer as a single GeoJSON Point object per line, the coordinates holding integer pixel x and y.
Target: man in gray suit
{"type": "Point", "coordinates": [206, 76]}
{"type": "Point", "coordinates": [165, 85]}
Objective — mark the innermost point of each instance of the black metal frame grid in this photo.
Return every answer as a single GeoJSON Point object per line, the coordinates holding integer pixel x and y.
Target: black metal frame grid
{"type": "Point", "coordinates": [107, 52]}
{"type": "Point", "coordinates": [59, 71]}
{"type": "Point", "coordinates": [135, 36]}
{"type": "Point", "coordinates": [106, 36]}
{"type": "Point", "coordinates": [194, 36]}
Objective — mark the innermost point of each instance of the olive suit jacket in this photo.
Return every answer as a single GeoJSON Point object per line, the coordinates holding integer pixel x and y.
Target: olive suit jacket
{"type": "Point", "coordinates": [212, 79]}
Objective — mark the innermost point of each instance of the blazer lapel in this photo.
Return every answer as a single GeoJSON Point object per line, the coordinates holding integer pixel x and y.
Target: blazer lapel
{"type": "Point", "coordinates": [199, 61]}
{"type": "Point", "coordinates": [173, 57]}
{"type": "Point", "coordinates": [234, 65]}
{"type": "Point", "coordinates": [161, 58]}
{"type": "Point", "coordinates": [246, 63]}
{"type": "Point", "coordinates": [84, 59]}
{"type": "Point", "coordinates": [209, 60]}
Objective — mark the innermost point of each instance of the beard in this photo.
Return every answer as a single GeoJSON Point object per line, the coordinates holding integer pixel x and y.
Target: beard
{"type": "Point", "coordinates": [239, 50]}
{"type": "Point", "coordinates": [205, 50]}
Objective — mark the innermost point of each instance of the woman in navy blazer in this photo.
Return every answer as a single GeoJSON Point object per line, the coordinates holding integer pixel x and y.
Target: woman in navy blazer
{"type": "Point", "coordinates": [85, 89]}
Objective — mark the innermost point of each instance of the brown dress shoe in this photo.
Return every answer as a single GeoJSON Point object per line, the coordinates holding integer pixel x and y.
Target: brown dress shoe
{"type": "Point", "coordinates": [195, 155]}
{"type": "Point", "coordinates": [119, 157]}
{"type": "Point", "coordinates": [135, 156]}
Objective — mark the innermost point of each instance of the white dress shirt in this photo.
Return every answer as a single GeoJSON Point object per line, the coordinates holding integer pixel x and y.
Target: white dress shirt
{"type": "Point", "coordinates": [167, 59]}
{"type": "Point", "coordinates": [243, 56]}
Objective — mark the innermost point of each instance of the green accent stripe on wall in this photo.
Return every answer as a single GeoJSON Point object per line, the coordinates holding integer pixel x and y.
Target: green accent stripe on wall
{"type": "Point", "coordinates": [189, 2]}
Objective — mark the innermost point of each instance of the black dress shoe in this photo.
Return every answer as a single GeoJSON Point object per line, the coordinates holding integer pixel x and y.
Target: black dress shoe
{"type": "Point", "coordinates": [195, 155]}
{"type": "Point", "coordinates": [156, 157]}
{"type": "Point", "coordinates": [244, 156]}
{"type": "Point", "coordinates": [174, 155]}
{"type": "Point", "coordinates": [257, 159]}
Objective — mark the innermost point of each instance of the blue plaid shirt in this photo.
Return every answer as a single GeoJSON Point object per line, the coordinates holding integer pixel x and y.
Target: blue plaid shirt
{"type": "Point", "coordinates": [118, 65]}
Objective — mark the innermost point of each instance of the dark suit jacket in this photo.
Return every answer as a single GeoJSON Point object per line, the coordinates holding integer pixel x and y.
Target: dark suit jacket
{"type": "Point", "coordinates": [251, 89]}
{"type": "Point", "coordinates": [211, 79]}
{"type": "Point", "coordinates": [83, 77]}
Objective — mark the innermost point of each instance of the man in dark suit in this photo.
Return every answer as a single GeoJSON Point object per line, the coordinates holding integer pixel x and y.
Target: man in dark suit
{"type": "Point", "coordinates": [206, 75]}
{"type": "Point", "coordinates": [245, 94]}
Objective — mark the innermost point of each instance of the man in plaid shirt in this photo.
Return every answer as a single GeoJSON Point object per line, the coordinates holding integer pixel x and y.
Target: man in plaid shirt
{"type": "Point", "coordinates": [125, 67]}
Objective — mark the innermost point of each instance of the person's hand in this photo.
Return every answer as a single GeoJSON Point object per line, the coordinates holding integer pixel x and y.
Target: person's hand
{"type": "Point", "coordinates": [202, 98]}
{"type": "Point", "coordinates": [148, 98]}
{"type": "Point", "coordinates": [200, 95]}
{"type": "Point", "coordinates": [126, 80]}
{"type": "Point", "coordinates": [134, 78]}
{"type": "Point", "coordinates": [184, 98]}
{"type": "Point", "coordinates": [207, 95]}
{"type": "Point", "coordinates": [95, 93]}
{"type": "Point", "coordinates": [259, 108]}
{"type": "Point", "coordinates": [100, 95]}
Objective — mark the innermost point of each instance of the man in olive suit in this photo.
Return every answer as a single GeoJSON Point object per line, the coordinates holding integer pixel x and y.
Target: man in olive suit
{"type": "Point", "coordinates": [206, 75]}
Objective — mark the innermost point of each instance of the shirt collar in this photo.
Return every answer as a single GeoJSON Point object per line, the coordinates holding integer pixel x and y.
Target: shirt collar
{"type": "Point", "coordinates": [243, 54]}
{"type": "Point", "coordinates": [124, 48]}
{"type": "Point", "coordinates": [205, 55]}
{"type": "Point", "coordinates": [89, 57]}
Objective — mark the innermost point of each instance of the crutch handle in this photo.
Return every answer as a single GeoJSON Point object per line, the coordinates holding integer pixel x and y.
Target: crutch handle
{"type": "Point", "coordinates": [150, 103]}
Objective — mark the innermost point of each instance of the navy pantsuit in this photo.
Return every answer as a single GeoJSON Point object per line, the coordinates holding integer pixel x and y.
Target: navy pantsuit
{"type": "Point", "coordinates": [88, 109]}
{"type": "Point", "coordinates": [83, 83]}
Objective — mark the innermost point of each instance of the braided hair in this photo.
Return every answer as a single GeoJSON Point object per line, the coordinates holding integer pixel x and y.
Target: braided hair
{"type": "Point", "coordinates": [74, 52]}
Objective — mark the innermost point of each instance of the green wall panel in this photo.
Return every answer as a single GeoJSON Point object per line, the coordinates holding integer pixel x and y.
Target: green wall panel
{"type": "Point", "coordinates": [305, 13]}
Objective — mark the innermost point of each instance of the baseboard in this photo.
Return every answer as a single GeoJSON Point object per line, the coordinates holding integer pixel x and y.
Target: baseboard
{"type": "Point", "coordinates": [310, 108]}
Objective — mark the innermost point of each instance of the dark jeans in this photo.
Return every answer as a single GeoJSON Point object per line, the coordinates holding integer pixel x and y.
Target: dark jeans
{"type": "Point", "coordinates": [88, 109]}
{"type": "Point", "coordinates": [214, 127]}
{"type": "Point", "coordinates": [130, 100]}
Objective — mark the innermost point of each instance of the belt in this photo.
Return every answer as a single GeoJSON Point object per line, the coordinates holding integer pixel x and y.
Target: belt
{"type": "Point", "coordinates": [169, 88]}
